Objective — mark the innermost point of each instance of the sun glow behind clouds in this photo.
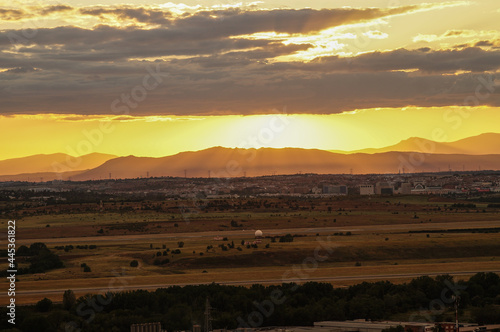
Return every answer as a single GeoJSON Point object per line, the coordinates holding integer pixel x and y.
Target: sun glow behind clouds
{"type": "Point", "coordinates": [158, 136]}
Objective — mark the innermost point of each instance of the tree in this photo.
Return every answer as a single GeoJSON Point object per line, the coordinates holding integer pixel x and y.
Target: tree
{"type": "Point", "coordinates": [23, 251]}
{"type": "Point", "coordinates": [44, 305]}
{"type": "Point", "coordinates": [134, 263]}
{"type": "Point", "coordinates": [69, 299]}
{"type": "Point", "coordinates": [286, 238]}
{"type": "Point", "coordinates": [180, 244]}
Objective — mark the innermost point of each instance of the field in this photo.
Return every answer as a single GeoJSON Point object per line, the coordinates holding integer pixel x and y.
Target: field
{"type": "Point", "coordinates": [338, 240]}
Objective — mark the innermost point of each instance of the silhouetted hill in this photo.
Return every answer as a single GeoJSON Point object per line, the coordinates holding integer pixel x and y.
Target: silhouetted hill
{"type": "Point", "coordinates": [225, 162]}
{"type": "Point", "coordinates": [473, 153]}
{"type": "Point", "coordinates": [488, 143]}
{"type": "Point", "coordinates": [47, 163]}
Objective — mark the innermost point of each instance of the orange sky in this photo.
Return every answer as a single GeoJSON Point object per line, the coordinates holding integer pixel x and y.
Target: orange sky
{"type": "Point", "coordinates": [155, 78]}
{"type": "Point", "coordinates": [165, 135]}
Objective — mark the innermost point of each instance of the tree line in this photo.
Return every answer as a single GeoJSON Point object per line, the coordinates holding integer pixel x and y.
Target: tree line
{"type": "Point", "coordinates": [178, 308]}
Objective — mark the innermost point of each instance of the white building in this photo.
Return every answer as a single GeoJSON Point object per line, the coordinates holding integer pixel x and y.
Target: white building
{"type": "Point", "coordinates": [366, 189]}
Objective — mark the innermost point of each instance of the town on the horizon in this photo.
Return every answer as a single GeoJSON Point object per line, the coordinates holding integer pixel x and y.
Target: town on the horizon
{"type": "Point", "coordinates": [449, 183]}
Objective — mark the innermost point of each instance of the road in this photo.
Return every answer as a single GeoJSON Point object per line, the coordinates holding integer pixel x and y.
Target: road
{"type": "Point", "coordinates": [94, 290]}
{"type": "Point", "coordinates": [321, 230]}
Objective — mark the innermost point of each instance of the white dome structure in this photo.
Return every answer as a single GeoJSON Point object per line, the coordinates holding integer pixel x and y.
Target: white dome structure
{"type": "Point", "coordinates": [258, 233]}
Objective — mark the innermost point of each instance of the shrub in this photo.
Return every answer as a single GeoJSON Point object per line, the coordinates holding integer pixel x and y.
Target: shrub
{"type": "Point", "coordinates": [44, 305]}
{"type": "Point", "coordinates": [69, 299]}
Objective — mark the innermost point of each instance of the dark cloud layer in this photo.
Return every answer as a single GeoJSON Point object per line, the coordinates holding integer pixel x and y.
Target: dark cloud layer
{"type": "Point", "coordinates": [472, 59]}
{"type": "Point", "coordinates": [211, 68]}
{"type": "Point", "coordinates": [129, 13]}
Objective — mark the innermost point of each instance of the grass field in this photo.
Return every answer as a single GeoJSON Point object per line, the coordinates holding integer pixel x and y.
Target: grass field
{"type": "Point", "coordinates": [382, 246]}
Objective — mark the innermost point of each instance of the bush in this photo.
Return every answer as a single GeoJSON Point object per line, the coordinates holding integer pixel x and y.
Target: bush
{"type": "Point", "coordinates": [44, 305]}
{"type": "Point", "coordinates": [87, 269]}
{"type": "Point", "coordinates": [286, 238]}
{"type": "Point", "coordinates": [23, 251]}
{"type": "Point", "coordinates": [69, 299]}
{"type": "Point", "coordinates": [134, 263]}
{"type": "Point", "coordinates": [43, 261]}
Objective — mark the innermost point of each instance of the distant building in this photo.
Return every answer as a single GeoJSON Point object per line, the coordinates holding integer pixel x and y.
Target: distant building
{"type": "Point", "coordinates": [366, 189]}
{"type": "Point", "coordinates": [405, 188]}
{"type": "Point", "coordinates": [384, 188]}
{"type": "Point", "coordinates": [447, 327]}
{"type": "Point", "coordinates": [370, 326]}
{"type": "Point", "coordinates": [335, 189]}
{"type": "Point", "coordinates": [482, 328]}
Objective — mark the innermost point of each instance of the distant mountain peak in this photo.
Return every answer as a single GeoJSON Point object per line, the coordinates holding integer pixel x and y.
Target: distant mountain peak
{"type": "Point", "coordinates": [468, 153]}
{"type": "Point", "coordinates": [482, 144]}
{"type": "Point", "coordinates": [54, 162]}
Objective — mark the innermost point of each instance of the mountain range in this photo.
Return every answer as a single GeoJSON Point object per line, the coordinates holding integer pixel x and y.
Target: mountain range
{"type": "Point", "coordinates": [487, 143]}
{"type": "Point", "coordinates": [411, 155]}
{"type": "Point", "coordinates": [56, 162]}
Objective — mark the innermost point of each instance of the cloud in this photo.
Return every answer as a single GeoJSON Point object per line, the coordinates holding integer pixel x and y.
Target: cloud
{"type": "Point", "coordinates": [18, 14]}
{"type": "Point", "coordinates": [124, 13]}
{"type": "Point", "coordinates": [456, 34]}
{"type": "Point", "coordinates": [228, 61]}
{"type": "Point", "coordinates": [21, 70]}
{"type": "Point", "coordinates": [243, 19]}
{"type": "Point", "coordinates": [47, 10]}
{"type": "Point", "coordinates": [472, 59]}
{"type": "Point", "coordinates": [376, 35]}
{"type": "Point", "coordinates": [205, 86]}
{"type": "Point", "coordinates": [484, 43]}
{"type": "Point", "coordinates": [12, 14]}
{"type": "Point", "coordinates": [291, 21]}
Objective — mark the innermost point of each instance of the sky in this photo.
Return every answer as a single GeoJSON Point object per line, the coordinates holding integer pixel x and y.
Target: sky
{"type": "Point", "coordinates": [154, 78]}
